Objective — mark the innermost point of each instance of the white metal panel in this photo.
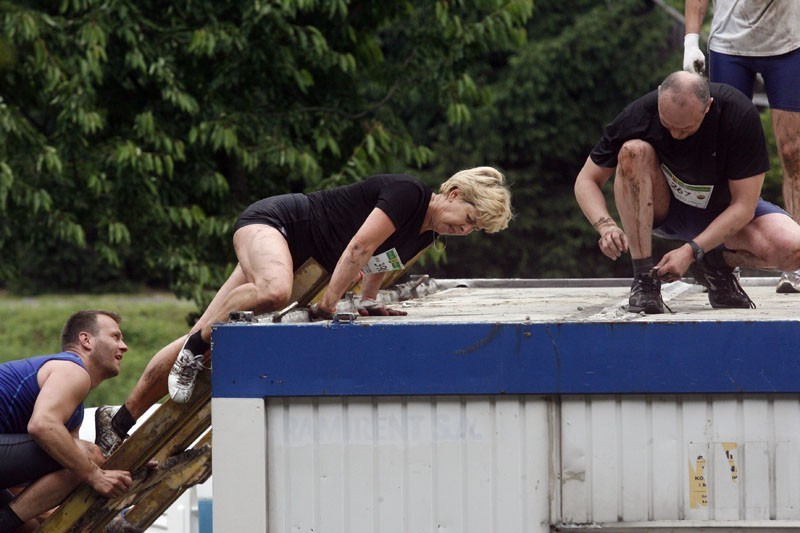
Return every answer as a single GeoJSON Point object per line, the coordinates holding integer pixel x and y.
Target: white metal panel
{"type": "Point", "coordinates": [330, 462]}
{"type": "Point", "coordinates": [390, 456]}
{"type": "Point", "coordinates": [419, 467]}
{"type": "Point", "coordinates": [787, 448]}
{"type": "Point", "coordinates": [636, 475]}
{"type": "Point", "coordinates": [508, 481]}
{"type": "Point", "coordinates": [540, 457]}
{"type": "Point", "coordinates": [604, 479]}
{"type": "Point", "coordinates": [278, 419]}
{"type": "Point", "coordinates": [575, 427]}
{"type": "Point", "coordinates": [406, 465]}
{"type": "Point", "coordinates": [663, 437]}
{"type": "Point", "coordinates": [758, 455]}
{"type": "Point", "coordinates": [680, 460]}
{"type": "Point", "coordinates": [479, 465]}
{"type": "Point", "coordinates": [239, 441]}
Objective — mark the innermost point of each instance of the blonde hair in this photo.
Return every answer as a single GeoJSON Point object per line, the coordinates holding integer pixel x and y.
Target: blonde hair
{"type": "Point", "coordinates": [486, 189]}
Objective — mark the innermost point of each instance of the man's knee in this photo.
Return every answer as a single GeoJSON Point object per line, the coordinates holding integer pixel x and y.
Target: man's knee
{"type": "Point", "coordinates": [635, 149]}
{"type": "Point", "coordinates": [785, 252]}
{"type": "Point", "coordinates": [634, 156]}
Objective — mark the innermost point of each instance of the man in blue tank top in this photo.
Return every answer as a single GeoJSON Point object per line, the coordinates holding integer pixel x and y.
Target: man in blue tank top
{"type": "Point", "coordinates": [41, 410]}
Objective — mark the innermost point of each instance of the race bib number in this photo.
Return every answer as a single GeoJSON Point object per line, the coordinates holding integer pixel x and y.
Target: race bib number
{"type": "Point", "coordinates": [693, 195]}
{"type": "Point", "coordinates": [385, 262]}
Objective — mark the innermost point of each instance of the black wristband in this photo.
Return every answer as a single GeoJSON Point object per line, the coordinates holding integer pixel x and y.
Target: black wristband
{"type": "Point", "coordinates": [698, 252]}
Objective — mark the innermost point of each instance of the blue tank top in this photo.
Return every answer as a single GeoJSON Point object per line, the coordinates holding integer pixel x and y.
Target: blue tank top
{"type": "Point", "coordinates": [19, 389]}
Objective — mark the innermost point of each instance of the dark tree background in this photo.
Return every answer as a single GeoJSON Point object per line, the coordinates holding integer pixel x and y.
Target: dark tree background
{"type": "Point", "coordinates": [132, 133]}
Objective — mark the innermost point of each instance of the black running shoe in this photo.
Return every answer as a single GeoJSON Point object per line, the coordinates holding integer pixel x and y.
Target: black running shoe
{"type": "Point", "coordinates": [724, 291]}
{"type": "Point", "coordinates": [646, 295]}
{"type": "Point", "coordinates": [105, 435]}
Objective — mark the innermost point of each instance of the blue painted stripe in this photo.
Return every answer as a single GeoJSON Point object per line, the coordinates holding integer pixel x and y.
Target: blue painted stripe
{"type": "Point", "coordinates": [254, 361]}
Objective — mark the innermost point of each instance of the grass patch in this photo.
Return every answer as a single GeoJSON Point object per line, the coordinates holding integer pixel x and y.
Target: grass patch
{"type": "Point", "coordinates": [32, 326]}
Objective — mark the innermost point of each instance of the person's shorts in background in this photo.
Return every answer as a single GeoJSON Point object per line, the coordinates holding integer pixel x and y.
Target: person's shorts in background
{"type": "Point", "coordinates": [781, 76]}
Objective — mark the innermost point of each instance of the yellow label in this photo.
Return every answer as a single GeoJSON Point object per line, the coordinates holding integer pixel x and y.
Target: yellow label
{"type": "Point", "coordinates": [698, 490]}
{"type": "Point", "coordinates": [729, 447]}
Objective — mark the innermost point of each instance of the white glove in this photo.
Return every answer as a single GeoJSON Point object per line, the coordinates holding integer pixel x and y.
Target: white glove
{"type": "Point", "coordinates": [693, 58]}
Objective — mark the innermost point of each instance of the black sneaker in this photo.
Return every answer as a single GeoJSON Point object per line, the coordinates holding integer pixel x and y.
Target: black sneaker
{"type": "Point", "coordinates": [646, 295]}
{"type": "Point", "coordinates": [724, 291]}
{"type": "Point", "coordinates": [106, 436]}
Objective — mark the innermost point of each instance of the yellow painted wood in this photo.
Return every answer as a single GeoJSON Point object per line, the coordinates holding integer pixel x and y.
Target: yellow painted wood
{"type": "Point", "coordinates": [309, 282]}
{"type": "Point", "coordinates": [392, 277]}
{"type": "Point", "coordinates": [163, 430]}
{"type": "Point", "coordinates": [174, 481]}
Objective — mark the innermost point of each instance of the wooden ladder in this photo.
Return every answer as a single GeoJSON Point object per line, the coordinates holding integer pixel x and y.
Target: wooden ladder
{"type": "Point", "coordinates": [177, 437]}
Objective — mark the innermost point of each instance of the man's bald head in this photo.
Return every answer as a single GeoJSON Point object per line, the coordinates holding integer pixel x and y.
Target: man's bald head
{"type": "Point", "coordinates": [680, 87]}
{"type": "Point", "coordinates": [683, 101]}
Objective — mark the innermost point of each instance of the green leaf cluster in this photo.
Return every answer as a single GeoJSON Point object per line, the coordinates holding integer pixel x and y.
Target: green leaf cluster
{"type": "Point", "coordinates": [133, 132]}
{"type": "Point", "coordinates": [583, 62]}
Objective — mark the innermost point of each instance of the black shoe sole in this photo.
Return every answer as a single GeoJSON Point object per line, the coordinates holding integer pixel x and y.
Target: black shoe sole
{"type": "Point", "coordinates": [742, 306]}
{"type": "Point", "coordinates": [645, 310]}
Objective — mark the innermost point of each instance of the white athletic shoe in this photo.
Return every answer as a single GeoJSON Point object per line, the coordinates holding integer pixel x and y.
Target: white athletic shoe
{"type": "Point", "coordinates": [789, 282]}
{"type": "Point", "coordinates": [183, 375]}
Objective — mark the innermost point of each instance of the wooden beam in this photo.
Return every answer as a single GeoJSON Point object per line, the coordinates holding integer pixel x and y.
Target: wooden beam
{"type": "Point", "coordinates": [169, 428]}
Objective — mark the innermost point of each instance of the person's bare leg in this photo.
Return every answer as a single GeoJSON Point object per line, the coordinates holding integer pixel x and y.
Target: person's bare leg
{"type": "Point", "coordinates": [213, 312]}
{"type": "Point", "coordinates": [770, 241]}
{"type": "Point", "coordinates": [266, 264]}
{"type": "Point", "coordinates": [152, 384]}
{"type": "Point", "coordinates": [786, 125]}
{"type": "Point", "coordinates": [641, 195]}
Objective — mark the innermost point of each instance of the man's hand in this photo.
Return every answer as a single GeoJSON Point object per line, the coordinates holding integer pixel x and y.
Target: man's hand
{"type": "Point", "coordinates": [371, 307]}
{"type": "Point", "coordinates": [110, 483]}
{"type": "Point", "coordinates": [613, 242]}
{"type": "Point", "coordinates": [315, 312]}
{"type": "Point", "coordinates": [675, 263]}
{"type": "Point", "coordinates": [693, 58]}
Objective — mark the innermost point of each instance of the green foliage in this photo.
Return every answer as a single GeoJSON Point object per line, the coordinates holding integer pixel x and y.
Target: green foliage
{"type": "Point", "coordinates": [584, 61]}
{"type": "Point", "coordinates": [133, 133]}
{"type": "Point", "coordinates": [32, 326]}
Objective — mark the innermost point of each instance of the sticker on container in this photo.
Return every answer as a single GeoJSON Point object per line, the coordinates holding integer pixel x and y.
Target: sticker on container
{"type": "Point", "coordinates": [729, 447]}
{"type": "Point", "coordinates": [698, 490]}
{"type": "Point", "coordinates": [385, 262]}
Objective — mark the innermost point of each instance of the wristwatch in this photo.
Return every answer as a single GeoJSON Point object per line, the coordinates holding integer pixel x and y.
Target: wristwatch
{"type": "Point", "coordinates": [698, 252]}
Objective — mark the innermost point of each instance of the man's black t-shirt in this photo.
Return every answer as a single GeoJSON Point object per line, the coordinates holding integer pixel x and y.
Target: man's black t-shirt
{"type": "Point", "coordinates": [729, 145]}
{"type": "Point", "coordinates": [338, 213]}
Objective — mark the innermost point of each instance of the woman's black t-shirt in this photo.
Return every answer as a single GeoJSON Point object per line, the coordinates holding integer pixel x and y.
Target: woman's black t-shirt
{"type": "Point", "coordinates": [338, 213]}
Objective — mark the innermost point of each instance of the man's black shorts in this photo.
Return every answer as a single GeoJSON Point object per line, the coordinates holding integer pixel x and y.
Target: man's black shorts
{"type": "Point", "coordinates": [23, 461]}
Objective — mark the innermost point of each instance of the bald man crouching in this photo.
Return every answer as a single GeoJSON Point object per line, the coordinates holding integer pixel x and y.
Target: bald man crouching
{"type": "Point", "coordinates": [690, 159]}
